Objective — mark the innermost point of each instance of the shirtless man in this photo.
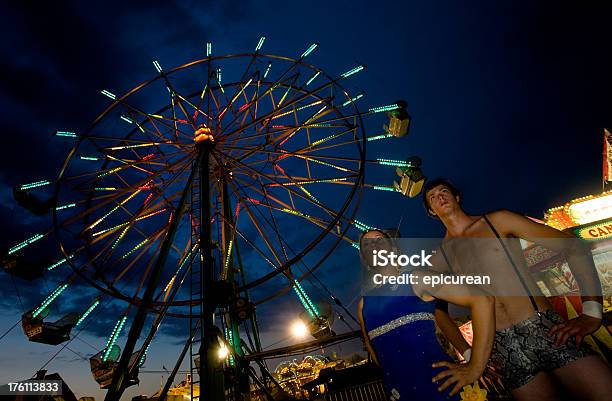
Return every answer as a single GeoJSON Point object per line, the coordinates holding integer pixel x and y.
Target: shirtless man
{"type": "Point", "coordinates": [533, 346]}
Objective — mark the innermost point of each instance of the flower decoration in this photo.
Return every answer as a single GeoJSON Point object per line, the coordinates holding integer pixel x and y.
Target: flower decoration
{"type": "Point", "coordinates": [473, 393]}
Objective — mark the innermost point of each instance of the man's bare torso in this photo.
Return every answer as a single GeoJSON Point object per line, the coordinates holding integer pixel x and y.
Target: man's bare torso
{"type": "Point", "coordinates": [512, 303]}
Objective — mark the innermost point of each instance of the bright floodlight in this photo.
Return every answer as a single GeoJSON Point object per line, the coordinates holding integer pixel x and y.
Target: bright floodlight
{"type": "Point", "coordinates": [223, 352]}
{"type": "Point", "coordinates": [299, 329]}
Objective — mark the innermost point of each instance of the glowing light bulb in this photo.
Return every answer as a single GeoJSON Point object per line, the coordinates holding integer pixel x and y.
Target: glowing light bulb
{"type": "Point", "coordinates": [223, 352]}
{"type": "Point", "coordinates": [299, 329]}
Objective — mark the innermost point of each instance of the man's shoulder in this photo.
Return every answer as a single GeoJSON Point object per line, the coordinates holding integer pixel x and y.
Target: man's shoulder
{"type": "Point", "coordinates": [501, 215]}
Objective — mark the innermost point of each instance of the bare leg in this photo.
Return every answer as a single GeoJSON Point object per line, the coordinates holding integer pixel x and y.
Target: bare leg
{"type": "Point", "coordinates": [541, 388]}
{"type": "Point", "coordinates": [589, 379]}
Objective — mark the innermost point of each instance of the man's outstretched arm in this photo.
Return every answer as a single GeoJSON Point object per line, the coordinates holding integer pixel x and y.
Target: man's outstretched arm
{"type": "Point", "coordinates": [580, 262]}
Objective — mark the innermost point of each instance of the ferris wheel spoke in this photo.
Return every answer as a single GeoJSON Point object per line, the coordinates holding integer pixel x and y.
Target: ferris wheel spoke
{"type": "Point", "coordinates": [281, 139]}
{"type": "Point", "coordinates": [175, 98]}
{"type": "Point", "coordinates": [308, 180]}
{"type": "Point", "coordinates": [273, 223]}
{"type": "Point", "coordinates": [187, 255]}
{"type": "Point", "coordinates": [145, 276]}
{"type": "Point", "coordinates": [280, 128]}
{"type": "Point", "coordinates": [145, 182]}
{"type": "Point", "coordinates": [290, 190]}
{"type": "Point", "coordinates": [283, 154]}
{"type": "Point", "coordinates": [115, 208]}
{"type": "Point", "coordinates": [197, 108]}
{"type": "Point", "coordinates": [275, 110]}
{"type": "Point", "coordinates": [145, 213]}
{"type": "Point", "coordinates": [259, 229]}
{"type": "Point", "coordinates": [145, 245]}
{"type": "Point", "coordinates": [160, 119]}
{"type": "Point", "coordinates": [314, 146]}
{"type": "Point", "coordinates": [286, 208]}
{"type": "Point", "coordinates": [237, 93]}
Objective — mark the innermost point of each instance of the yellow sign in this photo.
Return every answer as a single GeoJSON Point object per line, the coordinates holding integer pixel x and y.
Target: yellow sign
{"type": "Point", "coordinates": [595, 232]}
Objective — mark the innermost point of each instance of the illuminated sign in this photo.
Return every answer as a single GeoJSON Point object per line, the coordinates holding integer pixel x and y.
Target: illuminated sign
{"type": "Point", "coordinates": [594, 209]}
{"type": "Point", "coordinates": [595, 232]}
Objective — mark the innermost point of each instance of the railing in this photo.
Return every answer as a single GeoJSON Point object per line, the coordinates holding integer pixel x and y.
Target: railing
{"type": "Point", "coordinates": [372, 391]}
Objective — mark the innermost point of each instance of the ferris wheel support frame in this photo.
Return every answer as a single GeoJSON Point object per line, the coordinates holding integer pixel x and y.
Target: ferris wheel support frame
{"type": "Point", "coordinates": [211, 379]}
{"type": "Point", "coordinates": [118, 384]}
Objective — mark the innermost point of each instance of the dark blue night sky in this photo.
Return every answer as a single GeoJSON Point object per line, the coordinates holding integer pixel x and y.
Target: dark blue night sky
{"type": "Point", "coordinates": [509, 100]}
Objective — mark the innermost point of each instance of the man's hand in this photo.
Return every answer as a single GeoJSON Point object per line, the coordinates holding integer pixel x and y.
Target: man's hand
{"type": "Point", "coordinates": [579, 327]}
{"type": "Point", "coordinates": [461, 375]}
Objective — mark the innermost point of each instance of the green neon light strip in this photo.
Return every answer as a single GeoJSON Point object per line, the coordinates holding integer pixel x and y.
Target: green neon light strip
{"type": "Point", "coordinates": [144, 355]}
{"type": "Point", "coordinates": [35, 185]}
{"type": "Point", "coordinates": [267, 70]}
{"type": "Point", "coordinates": [230, 339]}
{"type": "Point", "coordinates": [383, 188]}
{"type": "Point", "coordinates": [261, 42]}
{"type": "Point", "coordinates": [105, 189]}
{"type": "Point", "coordinates": [309, 50]}
{"type": "Point", "coordinates": [313, 78]}
{"type": "Point", "coordinates": [66, 206]}
{"type": "Point", "coordinates": [157, 66]}
{"type": "Point", "coordinates": [56, 293]}
{"type": "Point", "coordinates": [126, 119]}
{"type": "Point", "coordinates": [208, 49]}
{"type": "Point", "coordinates": [395, 163]}
{"type": "Point", "coordinates": [25, 243]}
{"type": "Point", "coordinates": [285, 184]}
{"type": "Point", "coordinates": [113, 337]}
{"type": "Point", "coordinates": [355, 245]}
{"type": "Point", "coordinates": [59, 263]}
{"type": "Point", "coordinates": [377, 137]}
{"type": "Point", "coordinates": [187, 256]}
{"type": "Point", "coordinates": [135, 248]}
{"type": "Point", "coordinates": [308, 303]}
{"type": "Point", "coordinates": [125, 230]}
{"type": "Point", "coordinates": [93, 159]}
{"type": "Point", "coordinates": [87, 312]}
{"type": "Point", "coordinates": [323, 163]}
{"type": "Point", "coordinates": [328, 138]}
{"type": "Point", "coordinates": [352, 100]}
{"type": "Point", "coordinates": [380, 109]}
{"type": "Point", "coordinates": [353, 71]}
{"type": "Point", "coordinates": [229, 253]}
{"type": "Point", "coordinates": [108, 94]}
{"type": "Point", "coordinates": [362, 226]}
{"type": "Point", "coordinates": [312, 310]}
{"type": "Point", "coordinates": [66, 134]}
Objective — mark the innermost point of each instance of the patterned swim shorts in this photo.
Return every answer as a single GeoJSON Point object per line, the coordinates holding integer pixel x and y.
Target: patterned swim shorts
{"type": "Point", "coordinates": [525, 349]}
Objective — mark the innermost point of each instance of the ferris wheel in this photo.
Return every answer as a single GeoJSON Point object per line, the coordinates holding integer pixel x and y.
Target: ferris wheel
{"type": "Point", "coordinates": [211, 188]}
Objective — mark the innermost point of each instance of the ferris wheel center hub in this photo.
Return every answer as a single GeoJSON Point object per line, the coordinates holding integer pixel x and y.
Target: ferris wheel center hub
{"type": "Point", "coordinates": [203, 134]}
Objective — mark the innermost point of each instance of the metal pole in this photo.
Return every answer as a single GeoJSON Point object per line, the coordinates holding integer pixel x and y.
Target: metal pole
{"type": "Point", "coordinates": [211, 373]}
{"type": "Point", "coordinates": [120, 376]}
{"type": "Point", "coordinates": [164, 393]}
